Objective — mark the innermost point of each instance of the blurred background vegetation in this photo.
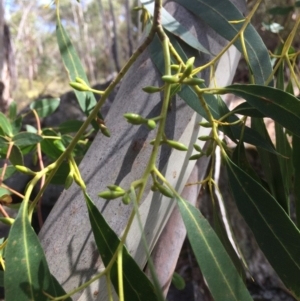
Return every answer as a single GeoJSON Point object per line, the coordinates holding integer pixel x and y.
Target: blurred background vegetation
{"type": "Point", "coordinates": [104, 33]}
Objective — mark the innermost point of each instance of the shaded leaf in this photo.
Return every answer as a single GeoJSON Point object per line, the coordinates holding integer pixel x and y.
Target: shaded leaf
{"type": "Point", "coordinates": [107, 242]}
{"type": "Point", "coordinates": [247, 110]}
{"type": "Point", "coordinates": [281, 10]}
{"type": "Point", "coordinates": [296, 164]}
{"type": "Point", "coordinates": [25, 139]}
{"type": "Point", "coordinates": [271, 167]}
{"type": "Point", "coordinates": [61, 174]}
{"type": "Point", "coordinates": [27, 274]}
{"type": "Point", "coordinates": [274, 103]}
{"type": "Point", "coordinates": [48, 145]}
{"type": "Point", "coordinates": [70, 126]}
{"type": "Point", "coordinates": [222, 278]}
{"type": "Point", "coordinates": [16, 156]}
{"type": "Point", "coordinates": [275, 233]}
{"type": "Point", "coordinates": [9, 171]}
{"type": "Point", "coordinates": [45, 107]}
{"type": "Point", "coordinates": [17, 125]}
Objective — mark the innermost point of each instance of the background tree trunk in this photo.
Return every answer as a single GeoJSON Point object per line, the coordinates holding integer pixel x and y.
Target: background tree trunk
{"type": "Point", "coordinates": [6, 62]}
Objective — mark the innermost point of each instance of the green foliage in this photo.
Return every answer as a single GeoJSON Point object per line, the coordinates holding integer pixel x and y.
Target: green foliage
{"type": "Point", "coordinates": [263, 203]}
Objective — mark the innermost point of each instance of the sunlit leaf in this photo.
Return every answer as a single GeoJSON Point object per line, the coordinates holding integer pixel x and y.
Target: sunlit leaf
{"type": "Point", "coordinates": [223, 280]}
{"type": "Point", "coordinates": [27, 274]}
{"type": "Point", "coordinates": [45, 107]}
{"type": "Point", "coordinates": [174, 27]}
{"type": "Point", "coordinates": [275, 233]}
{"type": "Point", "coordinates": [5, 125]}
{"type": "Point", "coordinates": [73, 65]}
{"type": "Point", "coordinates": [107, 242]}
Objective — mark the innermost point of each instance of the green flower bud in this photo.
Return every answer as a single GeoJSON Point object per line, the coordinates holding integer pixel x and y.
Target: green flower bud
{"type": "Point", "coordinates": [164, 190]}
{"type": "Point", "coordinates": [196, 156]}
{"type": "Point", "coordinates": [197, 148]}
{"type": "Point", "coordinates": [205, 124]}
{"type": "Point", "coordinates": [151, 124]}
{"type": "Point", "coordinates": [7, 220]}
{"type": "Point", "coordinates": [177, 145]}
{"type": "Point", "coordinates": [170, 79]}
{"type": "Point", "coordinates": [134, 118]}
{"type": "Point", "coordinates": [175, 67]}
{"type": "Point", "coordinates": [79, 86]}
{"type": "Point", "coordinates": [154, 187]}
{"type": "Point", "coordinates": [81, 81]}
{"type": "Point", "coordinates": [205, 138]}
{"type": "Point", "coordinates": [209, 149]}
{"type": "Point", "coordinates": [25, 170]}
{"type": "Point", "coordinates": [188, 68]}
{"type": "Point", "coordinates": [115, 188]}
{"type": "Point", "coordinates": [126, 199]}
{"type": "Point", "coordinates": [110, 195]}
{"type": "Point", "coordinates": [193, 81]}
{"type": "Point", "coordinates": [69, 179]}
{"type": "Point", "coordinates": [151, 89]}
{"type": "Point", "coordinates": [104, 130]}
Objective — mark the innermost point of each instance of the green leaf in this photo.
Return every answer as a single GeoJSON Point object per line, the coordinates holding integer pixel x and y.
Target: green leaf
{"type": "Point", "coordinates": [25, 139]}
{"type": "Point", "coordinates": [296, 165]}
{"type": "Point", "coordinates": [5, 125]}
{"type": "Point", "coordinates": [178, 281]}
{"type": "Point", "coordinates": [45, 107]}
{"type": "Point", "coordinates": [9, 171]}
{"type": "Point", "coordinates": [281, 10]}
{"type": "Point", "coordinates": [48, 145]}
{"type": "Point", "coordinates": [30, 129]}
{"type": "Point", "coordinates": [271, 167]}
{"type": "Point", "coordinates": [12, 111]}
{"type": "Point", "coordinates": [16, 156]}
{"type": "Point", "coordinates": [107, 242]}
{"type": "Point", "coordinates": [1, 278]}
{"type": "Point", "coordinates": [174, 27]}
{"type": "Point", "coordinates": [224, 282]}
{"type": "Point", "coordinates": [61, 174]}
{"type": "Point", "coordinates": [70, 126]}
{"type": "Point", "coordinates": [218, 14]}
{"type": "Point", "coordinates": [27, 274]}
{"type": "Point", "coordinates": [86, 100]}
{"type": "Point", "coordinates": [274, 231]}
{"type": "Point", "coordinates": [274, 103]}
{"type": "Point", "coordinates": [17, 125]}
{"type": "Point", "coordinates": [247, 110]}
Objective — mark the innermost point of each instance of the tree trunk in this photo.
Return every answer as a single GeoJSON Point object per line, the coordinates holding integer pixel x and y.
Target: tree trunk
{"type": "Point", "coordinates": [7, 70]}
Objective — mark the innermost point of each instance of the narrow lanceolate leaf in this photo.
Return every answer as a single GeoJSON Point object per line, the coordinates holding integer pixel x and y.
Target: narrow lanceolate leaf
{"type": "Point", "coordinates": [25, 139]}
{"type": "Point", "coordinates": [45, 107]}
{"type": "Point", "coordinates": [174, 27]}
{"type": "Point", "coordinates": [218, 14]}
{"type": "Point", "coordinates": [107, 242]}
{"type": "Point", "coordinates": [86, 100]}
{"type": "Point", "coordinates": [275, 233]}
{"type": "Point", "coordinates": [296, 165]}
{"type": "Point", "coordinates": [27, 275]}
{"type": "Point", "coordinates": [274, 103]}
{"type": "Point", "coordinates": [224, 282]}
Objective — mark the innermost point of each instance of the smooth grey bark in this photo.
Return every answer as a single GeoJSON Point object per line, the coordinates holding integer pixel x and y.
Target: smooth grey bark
{"type": "Point", "coordinates": [66, 236]}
